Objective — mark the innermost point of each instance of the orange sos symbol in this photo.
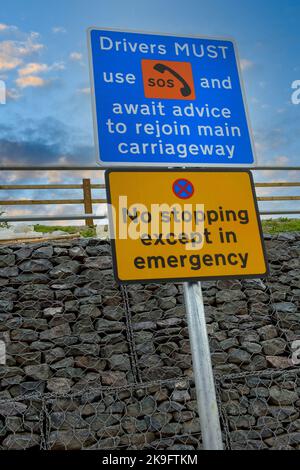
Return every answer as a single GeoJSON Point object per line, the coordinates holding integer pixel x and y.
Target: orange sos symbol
{"type": "Point", "coordinates": [168, 79]}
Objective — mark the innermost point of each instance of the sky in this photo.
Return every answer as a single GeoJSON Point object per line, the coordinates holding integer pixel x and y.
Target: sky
{"type": "Point", "coordinates": [43, 60]}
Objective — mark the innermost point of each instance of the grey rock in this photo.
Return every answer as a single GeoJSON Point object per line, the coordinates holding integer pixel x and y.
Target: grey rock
{"type": "Point", "coordinates": [116, 379]}
{"type": "Point", "coordinates": [59, 385]}
{"type": "Point", "coordinates": [43, 252]}
{"type": "Point", "coordinates": [56, 332]}
{"type": "Point", "coordinates": [273, 347]}
{"type": "Point", "coordinates": [228, 343]}
{"type": "Point", "coordinates": [169, 322]}
{"type": "Point", "coordinates": [258, 407]}
{"type": "Point", "coordinates": [109, 350]}
{"type": "Point", "coordinates": [241, 422]}
{"type": "Point", "coordinates": [285, 307]}
{"type": "Point", "coordinates": [8, 408]}
{"type": "Point", "coordinates": [24, 335]}
{"type": "Point", "coordinates": [89, 338]}
{"type": "Point", "coordinates": [219, 358]}
{"type": "Point", "coordinates": [29, 358]}
{"type": "Point", "coordinates": [77, 252]}
{"type": "Point", "coordinates": [284, 440]}
{"type": "Point", "coordinates": [38, 372]}
{"type": "Point", "coordinates": [267, 332]}
{"type": "Point", "coordinates": [32, 278]}
{"type": "Point", "coordinates": [70, 439]}
{"type": "Point", "coordinates": [101, 262]}
{"type": "Point", "coordinates": [279, 362]}
{"type": "Point", "coordinates": [13, 423]}
{"type": "Point", "coordinates": [119, 362]}
{"type": "Point", "coordinates": [254, 284]}
{"type": "Point", "coordinates": [280, 396]}
{"type": "Point", "coordinates": [252, 348]}
{"type": "Point", "coordinates": [181, 396]}
{"type": "Point", "coordinates": [192, 426]}
{"type": "Point", "coordinates": [6, 305]}
{"type": "Point", "coordinates": [239, 356]}
{"type": "Point", "coordinates": [147, 325]}
{"type": "Point", "coordinates": [288, 320]}
{"type": "Point", "coordinates": [228, 295]}
{"type": "Point", "coordinates": [51, 311]}
{"type": "Point", "coordinates": [284, 413]}
{"type": "Point", "coordinates": [21, 441]}
{"type": "Point", "coordinates": [24, 252]}
{"type": "Point", "coordinates": [90, 363]}
{"type": "Point", "coordinates": [156, 421]}
{"type": "Point", "coordinates": [54, 354]}
{"type": "Point", "coordinates": [85, 292]}
{"type": "Point", "coordinates": [36, 266]}
{"type": "Point", "coordinates": [9, 272]}
{"type": "Point", "coordinates": [163, 373]}
{"type": "Point", "coordinates": [7, 260]}
{"type": "Point", "coordinates": [65, 269]}
{"type": "Point", "coordinates": [112, 312]}
{"type": "Point", "coordinates": [67, 362]}
{"type": "Point", "coordinates": [167, 302]}
{"type": "Point", "coordinates": [29, 387]}
{"type": "Point", "coordinates": [84, 349]}
{"type": "Point", "coordinates": [108, 325]}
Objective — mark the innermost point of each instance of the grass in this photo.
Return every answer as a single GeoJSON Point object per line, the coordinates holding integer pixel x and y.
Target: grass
{"type": "Point", "coordinates": [281, 225]}
{"type": "Point", "coordinates": [83, 230]}
{"type": "Point", "coordinates": [269, 226]}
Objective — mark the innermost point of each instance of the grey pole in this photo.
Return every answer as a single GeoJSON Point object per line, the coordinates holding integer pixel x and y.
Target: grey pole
{"type": "Point", "coordinates": [203, 374]}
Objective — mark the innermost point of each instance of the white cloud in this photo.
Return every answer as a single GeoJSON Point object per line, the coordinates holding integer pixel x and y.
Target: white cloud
{"type": "Point", "coordinates": [31, 81]}
{"type": "Point", "coordinates": [13, 94]}
{"type": "Point", "coordinates": [76, 56]}
{"type": "Point", "coordinates": [84, 91]}
{"type": "Point", "coordinates": [58, 29]}
{"type": "Point", "coordinates": [281, 160]}
{"type": "Point", "coordinates": [32, 68]}
{"type": "Point", "coordinates": [246, 64]}
{"type": "Point", "coordinates": [7, 28]}
{"type": "Point", "coordinates": [13, 53]}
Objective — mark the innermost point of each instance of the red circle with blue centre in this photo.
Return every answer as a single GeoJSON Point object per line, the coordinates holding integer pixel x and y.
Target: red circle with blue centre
{"type": "Point", "coordinates": [183, 188]}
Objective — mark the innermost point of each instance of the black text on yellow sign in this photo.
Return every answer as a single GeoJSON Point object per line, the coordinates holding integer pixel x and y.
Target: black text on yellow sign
{"type": "Point", "coordinates": [174, 225]}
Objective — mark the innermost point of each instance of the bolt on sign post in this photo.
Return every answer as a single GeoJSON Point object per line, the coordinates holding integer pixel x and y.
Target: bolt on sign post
{"type": "Point", "coordinates": [164, 100]}
{"type": "Point", "coordinates": [176, 101]}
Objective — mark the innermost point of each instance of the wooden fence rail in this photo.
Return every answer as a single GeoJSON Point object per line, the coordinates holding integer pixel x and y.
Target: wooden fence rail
{"type": "Point", "coordinates": [87, 201]}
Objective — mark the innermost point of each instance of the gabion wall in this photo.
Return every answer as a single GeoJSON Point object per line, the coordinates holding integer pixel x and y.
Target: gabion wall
{"type": "Point", "coordinates": [91, 365]}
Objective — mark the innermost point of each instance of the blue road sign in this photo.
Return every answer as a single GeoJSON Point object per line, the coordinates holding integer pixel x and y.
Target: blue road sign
{"type": "Point", "coordinates": [163, 100]}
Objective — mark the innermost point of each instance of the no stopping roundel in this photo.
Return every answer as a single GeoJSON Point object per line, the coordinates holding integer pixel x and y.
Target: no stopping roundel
{"type": "Point", "coordinates": [183, 188]}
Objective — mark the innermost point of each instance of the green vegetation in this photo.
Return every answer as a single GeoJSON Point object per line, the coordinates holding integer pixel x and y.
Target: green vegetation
{"type": "Point", "coordinates": [269, 226]}
{"type": "Point", "coordinates": [82, 229]}
{"type": "Point", "coordinates": [3, 224]}
{"type": "Point", "coordinates": [283, 224]}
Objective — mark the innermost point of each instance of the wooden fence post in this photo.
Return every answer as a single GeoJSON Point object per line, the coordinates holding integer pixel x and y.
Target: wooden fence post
{"type": "Point", "coordinates": [87, 200]}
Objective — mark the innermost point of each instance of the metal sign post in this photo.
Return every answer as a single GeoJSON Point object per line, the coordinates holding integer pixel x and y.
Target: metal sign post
{"type": "Point", "coordinates": [203, 374]}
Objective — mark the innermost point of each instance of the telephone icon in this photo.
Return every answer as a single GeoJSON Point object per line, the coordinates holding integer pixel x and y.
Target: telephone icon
{"type": "Point", "coordinates": [185, 90]}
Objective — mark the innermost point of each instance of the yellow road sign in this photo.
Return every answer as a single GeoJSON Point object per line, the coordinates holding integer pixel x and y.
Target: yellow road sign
{"type": "Point", "coordinates": [184, 225]}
